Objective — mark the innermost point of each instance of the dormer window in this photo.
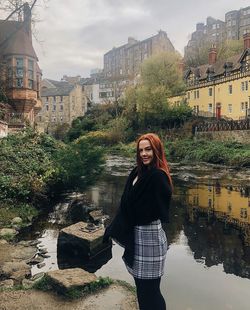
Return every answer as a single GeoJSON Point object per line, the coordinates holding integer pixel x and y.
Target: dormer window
{"type": "Point", "coordinates": [228, 66]}
{"type": "Point", "coordinates": [210, 74]}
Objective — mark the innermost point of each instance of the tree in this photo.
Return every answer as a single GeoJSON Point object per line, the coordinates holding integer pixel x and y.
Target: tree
{"type": "Point", "coordinates": [147, 104]}
{"type": "Point", "coordinates": [163, 70]}
{"type": "Point", "coordinates": [199, 54]}
{"type": "Point", "coordinates": [230, 48]}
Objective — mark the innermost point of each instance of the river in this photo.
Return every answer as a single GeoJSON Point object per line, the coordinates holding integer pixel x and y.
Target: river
{"type": "Point", "coordinates": [208, 260]}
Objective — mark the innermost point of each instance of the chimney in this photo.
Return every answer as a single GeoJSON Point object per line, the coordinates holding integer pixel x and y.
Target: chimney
{"type": "Point", "coordinates": [27, 18]}
{"type": "Point", "coordinates": [212, 55]}
{"type": "Point", "coordinates": [246, 38]}
{"type": "Point", "coordinates": [181, 65]}
{"type": "Point", "coordinates": [131, 40]}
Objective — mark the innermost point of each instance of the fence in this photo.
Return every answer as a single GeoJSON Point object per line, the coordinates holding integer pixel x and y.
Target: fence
{"type": "Point", "coordinates": [222, 125]}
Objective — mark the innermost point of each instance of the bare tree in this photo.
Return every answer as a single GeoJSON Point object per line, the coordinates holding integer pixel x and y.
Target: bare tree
{"type": "Point", "coordinates": [13, 10]}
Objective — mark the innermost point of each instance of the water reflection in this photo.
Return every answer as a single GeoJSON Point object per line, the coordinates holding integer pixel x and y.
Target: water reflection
{"type": "Point", "coordinates": [218, 226]}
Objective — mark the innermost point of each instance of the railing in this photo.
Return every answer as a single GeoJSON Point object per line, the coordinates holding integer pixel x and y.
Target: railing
{"type": "Point", "coordinates": [15, 118]}
{"type": "Point", "coordinates": [222, 125]}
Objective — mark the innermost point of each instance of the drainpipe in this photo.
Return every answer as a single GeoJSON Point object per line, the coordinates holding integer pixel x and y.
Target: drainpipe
{"type": "Point", "coordinates": [214, 99]}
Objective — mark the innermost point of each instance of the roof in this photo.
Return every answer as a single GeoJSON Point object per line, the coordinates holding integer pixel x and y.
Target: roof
{"type": "Point", "coordinates": [217, 68]}
{"type": "Point", "coordinates": [59, 89]}
{"type": "Point", "coordinates": [15, 40]}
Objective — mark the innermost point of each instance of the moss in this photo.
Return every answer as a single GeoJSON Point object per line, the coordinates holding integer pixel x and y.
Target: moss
{"type": "Point", "coordinates": [46, 285]}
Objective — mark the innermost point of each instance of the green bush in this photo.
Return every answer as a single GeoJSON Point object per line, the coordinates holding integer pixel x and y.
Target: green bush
{"type": "Point", "coordinates": [33, 166]}
{"type": "Point", "coordinates": [227, 153]}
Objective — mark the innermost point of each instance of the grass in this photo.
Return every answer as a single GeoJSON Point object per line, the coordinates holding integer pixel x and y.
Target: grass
{"type": "Point", "coordinates": [10, 211]}
{"type": "Point", "coordinates": [126, 285]}
{"type": "Point", "coordinates": [225, 153]}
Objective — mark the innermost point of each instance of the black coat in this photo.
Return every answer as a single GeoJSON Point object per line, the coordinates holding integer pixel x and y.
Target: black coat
{"type": "Point", "coordinates": [148, 200]}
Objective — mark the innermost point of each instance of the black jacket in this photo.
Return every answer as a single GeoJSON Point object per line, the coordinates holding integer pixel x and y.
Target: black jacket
{"type": "Point", "coordinates": [146, 201]}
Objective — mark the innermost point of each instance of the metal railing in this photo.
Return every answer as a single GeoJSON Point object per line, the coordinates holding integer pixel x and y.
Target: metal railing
{"type": "Point", "coordinates": [224, 125]}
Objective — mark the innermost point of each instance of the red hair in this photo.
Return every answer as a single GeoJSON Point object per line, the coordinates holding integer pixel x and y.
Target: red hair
{"type": "Point", "coordinates": [159, 160]}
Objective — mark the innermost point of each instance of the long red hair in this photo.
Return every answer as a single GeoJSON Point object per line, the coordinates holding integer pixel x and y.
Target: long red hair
{"type": "Point", "coordinates": [159, 160]}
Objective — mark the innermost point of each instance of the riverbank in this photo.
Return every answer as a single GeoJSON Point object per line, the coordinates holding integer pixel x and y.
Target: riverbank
{"type": "Point", "coordinates": [188, 150]}
{"type": "Point", "coordinates": [116, 296]}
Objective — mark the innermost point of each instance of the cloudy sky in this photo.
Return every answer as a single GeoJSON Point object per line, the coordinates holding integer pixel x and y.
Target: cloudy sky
{"type": "Point", "coordinates": [75, 34]}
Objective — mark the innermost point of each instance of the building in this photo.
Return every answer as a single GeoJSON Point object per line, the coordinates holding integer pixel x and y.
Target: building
{"type": "Point", "coordinates": [213, 33]}
{"type": "Point", "coordinates": [62, 102]}
{"type": "Point", "coordinates": [220, 88]}
{"type": "Point", "coordinates": [125, 61]}
{"type": "Point", "coordinates": [237, 23]}
{"type": "Point", "coordinates": [20, 74]}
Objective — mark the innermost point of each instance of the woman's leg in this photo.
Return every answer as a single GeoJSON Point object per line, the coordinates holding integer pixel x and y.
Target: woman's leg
{"type": "Point", "coordinates": [149, 295]}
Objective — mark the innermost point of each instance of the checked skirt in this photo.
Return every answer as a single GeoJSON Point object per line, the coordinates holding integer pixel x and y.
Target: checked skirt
{"type": "Point", "coordinates": [150, 251]}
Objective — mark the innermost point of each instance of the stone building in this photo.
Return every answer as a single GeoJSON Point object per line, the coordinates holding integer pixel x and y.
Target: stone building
{"type": "Point", "coordinates": [237, 23]}
{"type": "Point", "coordinates": [213, 32]}
{"type": "Point", "coordinates": [220, 88]}
{"type": "Point", "coordinates": [62, 102]}
{"type": "Point", "coordinates": [125, 61]}
{"type": "Point", "coordinates": [20, 74]}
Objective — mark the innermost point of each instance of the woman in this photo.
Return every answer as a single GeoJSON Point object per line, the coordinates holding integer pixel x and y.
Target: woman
{"type": "Point", "coordinates": [137, 225]}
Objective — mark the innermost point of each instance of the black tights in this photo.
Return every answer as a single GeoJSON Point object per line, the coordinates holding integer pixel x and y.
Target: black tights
{"type": "Point", "coordinates": [149, 295]}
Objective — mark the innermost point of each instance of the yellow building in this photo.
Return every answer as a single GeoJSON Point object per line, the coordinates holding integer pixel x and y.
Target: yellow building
{"type": "Point", "coordinates": [220, 88]}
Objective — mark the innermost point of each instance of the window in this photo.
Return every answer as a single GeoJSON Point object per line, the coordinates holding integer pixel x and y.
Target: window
{"type": "Point", "coordinates": [30, 74]}
{"type": "Point", "coordinates": [230, 108]}
{"type": "Point", "coordinates": [61, 98]}
{"type": "Point", "coordinates": [210, 91]}
{"type": "Point", "coordinates": [47, 99]}
{"type": "Point", "coordinates": [230, 89]}
{"type": "Point", "coordinates": [47, 107]}
{"type": "Point", "coordinates": [246, 85]}
{"type": "Point", "coordinates": [19, 72]}
{"type": "Point", "coordinates": [196, 94]}
{"type": "Point", "coordinates": [61, 107]}
{"type": "Point", "coordinates": [54, 108]}
{"type": "Point", "coordinates": [61, 118]}
{"type": "Point", "coordinates": [242, 86]}
{"type": "Point", "coordinates": [210, 107]}
{"type": "Point", "coordinates": [54, 98]}
{"type": "Point", "coordinates": [242, 105]}
{"type": "Point", "coordinates": [243, 213]}
{"type": "Point", "coordinates": [214, 26]}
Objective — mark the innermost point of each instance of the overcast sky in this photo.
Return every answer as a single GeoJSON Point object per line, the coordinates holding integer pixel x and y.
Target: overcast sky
{"type": "Point", "coordinates": [77, 33]}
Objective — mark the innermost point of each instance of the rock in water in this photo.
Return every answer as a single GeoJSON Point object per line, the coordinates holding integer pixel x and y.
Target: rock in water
{"type": "Point", "coordinates": [82, 239]}
{"type": "Point", "coordinates": [64, 280]}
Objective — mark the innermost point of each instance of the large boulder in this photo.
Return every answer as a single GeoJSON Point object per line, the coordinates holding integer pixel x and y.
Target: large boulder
{"type": "Point", "coordinates": [64, 280]}
{"type": "Point", "coordinates": [15, 270]}
{"type": "Point", "coordinates": [80, 238]}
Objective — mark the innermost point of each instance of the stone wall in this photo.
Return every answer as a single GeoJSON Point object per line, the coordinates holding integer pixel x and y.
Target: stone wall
{"type": "Point", "coordinates": [3, 129]}
{"type": "Point", "coordinates": [242, 136]}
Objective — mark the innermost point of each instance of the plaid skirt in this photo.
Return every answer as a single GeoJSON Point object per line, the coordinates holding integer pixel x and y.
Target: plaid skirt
{"type": "Point", "coordinates": [150, 251]}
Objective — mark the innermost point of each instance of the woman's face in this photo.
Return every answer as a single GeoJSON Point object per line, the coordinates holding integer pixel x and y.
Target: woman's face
{"type": "Point", "coordinates": [146, 152]}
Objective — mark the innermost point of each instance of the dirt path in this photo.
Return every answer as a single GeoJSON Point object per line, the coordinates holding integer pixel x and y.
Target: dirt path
{"type": "Point", "coordinates": [114, 297]}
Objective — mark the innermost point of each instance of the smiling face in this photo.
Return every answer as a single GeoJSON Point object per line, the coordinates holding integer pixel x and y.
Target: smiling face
{"type": "Point", "coordinates": [146, 152]}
